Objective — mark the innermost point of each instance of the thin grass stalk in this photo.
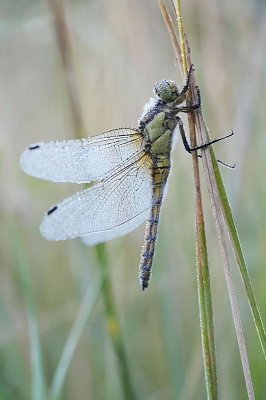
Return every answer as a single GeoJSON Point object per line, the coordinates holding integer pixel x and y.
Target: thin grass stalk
{"type": "Point", "coordinates": [38, 391]}
{"type": "Point", "coordinates": [218, 217]}
{"type": "Point", "coordinates": [235, 242]}
{"type": "Point", "coordinates": [212, 186]}
{"type": "Point", "coordinates": [231, 295]}
{"type": "Point", "coordinates": [172, 34]}
{"type": "Point", "coordinates": [111, 315]}
{"type": "Point", "coordinates": [204, 292]}
{"type": "Point", "coordinates": [65, 50]}
{"type": "Point", "coordinates": [88, 301]}
{"type": "Point", "coordinates": [113, 326]}
{"type": "Point", "coordinates": [204, 289]}
{"type": "Point", "coordinates": [233, 234]}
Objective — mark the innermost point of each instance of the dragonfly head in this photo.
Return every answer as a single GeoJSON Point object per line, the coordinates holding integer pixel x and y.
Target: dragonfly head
{"type": "Point", "coordinates": [166, 90]}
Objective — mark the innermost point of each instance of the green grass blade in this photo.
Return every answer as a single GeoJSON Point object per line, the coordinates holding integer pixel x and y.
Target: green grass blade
{"type": "Point", "coordinates": [38, 380]}
{"type": "Point", "coordinates": [113, 325]}
{"type": "Point", "coordinates": [218, 218]}
{"type": "Point", "coordinates": [206, 317]}
{"type": "Point", "coordinates": [84, 312]}
{"type": "Point", "coordinates": [229, 220]}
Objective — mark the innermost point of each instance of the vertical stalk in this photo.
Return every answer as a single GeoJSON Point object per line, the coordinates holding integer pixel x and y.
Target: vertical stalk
{"type": "Point", "coordinates": [38, 391]}
{"type": "Point", "coordinates": [208, 160]}
{"type": "Point", "coordinates": [65, 50]}
{"type": "Point", "coordinates": [113, 325]}
{"type": "Point", "coordinates": [203, 279]}
{"type": "Point", "coordinates": [204, 289]}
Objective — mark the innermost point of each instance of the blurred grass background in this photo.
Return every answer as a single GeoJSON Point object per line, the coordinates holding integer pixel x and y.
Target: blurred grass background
{"type": "Point", "coordinates": [120, 49]}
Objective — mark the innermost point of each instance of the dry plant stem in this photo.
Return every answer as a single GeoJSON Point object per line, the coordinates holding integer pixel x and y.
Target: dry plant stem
{"type": "Point", "coordinates": [203, 278]}
{"type": "Point", "coordinates": [65, 50]}
{"type": "Point", "coordinates": [218, 217]}
{"type": "Point", "coordinates": [179, 18]}
{"type": "Point", "coordinates": [171, 31]}
{"type": "Point", "coordinates": [204, 293]}
{"type": "Point", "coordinates": [112, 321]}
{"type": "Point", "coordinates": [204, 289]}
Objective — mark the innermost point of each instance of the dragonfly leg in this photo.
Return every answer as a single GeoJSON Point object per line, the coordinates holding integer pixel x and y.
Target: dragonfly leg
{"type": "Point", "coordinates": [183, 135]}
{"type": "Point", "coordinates": [186, 109]}
{"type": "Point", "coordinates": [222, 163]}
{"type": "Point", "coordinates": [182, 95]}
{"type": "Point", "coordinates": [190, 149]}
{"type": "Point", "coordinates": [205, 145]}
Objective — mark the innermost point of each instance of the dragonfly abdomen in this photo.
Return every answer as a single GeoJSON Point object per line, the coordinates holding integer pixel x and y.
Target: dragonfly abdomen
{"type": "Point", "coordinates": [147, 255]}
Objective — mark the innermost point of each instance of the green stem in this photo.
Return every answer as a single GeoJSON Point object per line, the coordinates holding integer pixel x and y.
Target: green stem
{"type": "Point", "coordinates": [38, 379]}
{"type": "Point", "coordinates": [233, 234]}
{"type": "Point", "coordinates": [206, 318]}
{"type": "Point", "coordinates": [113, 325]}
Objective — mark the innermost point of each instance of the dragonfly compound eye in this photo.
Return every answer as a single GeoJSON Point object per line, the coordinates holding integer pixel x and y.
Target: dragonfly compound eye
{"type": "Point", "coordinates": [167, 90]}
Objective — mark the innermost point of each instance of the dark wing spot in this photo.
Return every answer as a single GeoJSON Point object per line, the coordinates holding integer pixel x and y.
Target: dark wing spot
{"type": "Point", "coordinates": [51, 210]}
{"type": "Point", "coordinates": [34, 147]}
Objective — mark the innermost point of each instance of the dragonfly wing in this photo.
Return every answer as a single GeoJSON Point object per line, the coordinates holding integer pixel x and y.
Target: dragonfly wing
{"type": "Point", "coordinates": [122, 196]}
{"type": "Point", "coordinates": [121, 230]}
{"type": "Point", "coordinates": [80, 160]}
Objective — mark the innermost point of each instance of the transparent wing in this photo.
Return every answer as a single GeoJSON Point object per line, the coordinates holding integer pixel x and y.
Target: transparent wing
{"type": "Point", "coordinates": [121, 230]}
{"type": "Point", "coordinates": [122, 196]}
{"type": "Point", "coordinates": [80, 160]}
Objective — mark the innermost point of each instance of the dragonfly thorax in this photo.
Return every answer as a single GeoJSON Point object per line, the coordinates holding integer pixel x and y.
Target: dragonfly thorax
{"type": "Point", "coordinates": [157, 125]}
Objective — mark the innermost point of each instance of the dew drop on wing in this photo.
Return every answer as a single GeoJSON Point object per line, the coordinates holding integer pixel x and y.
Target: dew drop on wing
{"type": "Point", "coordinates": [34, 147]}
{"type": "Point", "coordinates": [51, 210]}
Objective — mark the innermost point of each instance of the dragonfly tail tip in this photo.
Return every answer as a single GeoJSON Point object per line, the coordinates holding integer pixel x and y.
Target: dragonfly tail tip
{"type": "Point", "coordinates": [144, 285]}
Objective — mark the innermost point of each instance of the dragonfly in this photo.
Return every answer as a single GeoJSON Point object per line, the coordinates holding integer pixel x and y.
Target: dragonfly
{"type": "Point", "coordinates": [131, 167]}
